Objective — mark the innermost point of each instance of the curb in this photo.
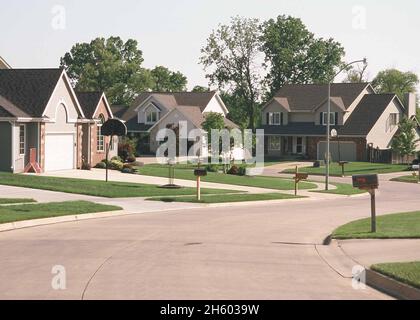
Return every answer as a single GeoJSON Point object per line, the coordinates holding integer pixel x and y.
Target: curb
{"type": "Point", "coordinates": [390, 286]}
{"type": "Point", "coordinates": [70, 218]}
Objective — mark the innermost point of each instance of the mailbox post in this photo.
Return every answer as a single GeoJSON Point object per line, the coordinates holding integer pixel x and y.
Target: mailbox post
{"type": "Point", "coordinates": [199, 173]}
{"type": "Point", "coordinates": [370, 183]}
{"type": "Point", "coordinates": [299, 177]}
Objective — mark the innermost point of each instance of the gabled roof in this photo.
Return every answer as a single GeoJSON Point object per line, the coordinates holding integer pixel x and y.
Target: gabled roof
{"type": "Point", "coordinates": [89, 102]}
{"type": "Point", "coordinates": [366, 114]}
{"type": "Point", "coordinates": [307, 97]}
{"type": "Point", "coordinates": [29, 89]}
{"type": "Point", "coordinates": [9, 110]}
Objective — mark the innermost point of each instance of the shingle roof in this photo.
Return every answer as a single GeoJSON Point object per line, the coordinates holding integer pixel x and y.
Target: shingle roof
{"type": "Point", "coordinates": [119, 110]}
{"type": "Point", "coordinates": [29, 89]}
{"type": "Point", "coordinates": [306, 97]}
{"type": "Point", "coordinates": [360, 122]}
{"type": "Point", "coordinates": [5, 113]}
{"type": "Point", "coordinates": [366, 114]}
{"type": "Point", "coordinates": [10, 110]}
{"type": "Point", "coordinates": [89, 102]}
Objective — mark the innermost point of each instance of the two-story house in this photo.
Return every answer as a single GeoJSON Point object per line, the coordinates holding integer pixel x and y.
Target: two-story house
{"type": "Point", "coordinates": [152, 111]}
{"type": "Point", "coordinates": [295, 121]}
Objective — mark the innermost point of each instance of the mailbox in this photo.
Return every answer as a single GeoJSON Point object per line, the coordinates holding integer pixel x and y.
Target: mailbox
{"type": "Point", "coordinates": [200, 172]}
{"type": "Point", "coordinates": [368, 181]}
{"type": "Point", "coordinates": [301, 176]}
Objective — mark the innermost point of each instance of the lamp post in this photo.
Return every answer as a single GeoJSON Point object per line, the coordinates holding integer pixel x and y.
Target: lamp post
{"type": "Point", "coordinates": [327, 162]}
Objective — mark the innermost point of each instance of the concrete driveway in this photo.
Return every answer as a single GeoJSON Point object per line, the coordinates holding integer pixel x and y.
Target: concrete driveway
{"type": "Point", "coordinates": [258, 251]}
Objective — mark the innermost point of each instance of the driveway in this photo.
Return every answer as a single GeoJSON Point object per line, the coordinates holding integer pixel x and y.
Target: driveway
{"type": "Point", "coordinates": [258, 251]}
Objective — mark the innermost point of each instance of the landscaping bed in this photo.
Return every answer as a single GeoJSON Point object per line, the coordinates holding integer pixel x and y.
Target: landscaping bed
{"type": "Point", "coordinates": [392, 226]}
{"type": "Point", "coordinates": [228, 198]}
{"type": "Point", "coordinates": [353, 168]}
{"type": "Point", "coordinates": [49, 210]}
{"type": "Point", "coordinates": [96, 187]}
{"type": "Point", "coordinates": [405, 272]}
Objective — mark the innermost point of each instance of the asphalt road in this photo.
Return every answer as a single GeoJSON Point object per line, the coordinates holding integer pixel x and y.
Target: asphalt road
{"type": "Point", "coordinates": [264, 251]}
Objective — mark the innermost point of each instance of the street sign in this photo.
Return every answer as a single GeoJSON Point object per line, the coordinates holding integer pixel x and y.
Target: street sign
{"type": "Point", "coordinates": [366, 181]}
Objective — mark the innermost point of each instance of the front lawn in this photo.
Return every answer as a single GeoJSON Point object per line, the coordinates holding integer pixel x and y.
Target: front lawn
{"type": "Point", "coordinates": [405, 272]}
{"type": "Point", "coordinates": [408, 179]}
{"type": "Point", "coordinates": [342, 189]}
{"type": "Point", "coordinates": [96, 187]}
{"type": "Point", "coordinates": [243, 197]}
{"type": "Point", "coordinates": [15, 200]}
{"type": "Point", "coordinates": [354, 168]}
{"type": "Point", "coordinates": [186, 172]}
{"type": "Point", "coordinates": [393, 226]}
{"type": "Point", "coordinates": [48, 210]}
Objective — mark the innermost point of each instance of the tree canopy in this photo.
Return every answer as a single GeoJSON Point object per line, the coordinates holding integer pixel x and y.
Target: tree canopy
{"type": "Point", "coordinates": [165, 80]}
{"type": "Point", "coordinates": [404, 143]}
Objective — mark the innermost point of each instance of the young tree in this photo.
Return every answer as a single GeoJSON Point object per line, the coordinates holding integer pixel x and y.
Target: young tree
{"type": "Point", "coordinates": [233, 60]}
{"type": "Point", "coordinates": [404, 143]}
{"type": "Point", "coordinates": [295, 55]}
{"type": "Point", "coordinates": [213, 120]}
{"type": "Point", "coordinates": [396, 81]}
{"type": "Point", "coordinates": [165, 80]}
{"type": "Point", "coordinates": [109, 65]}
{"type": "Point", "coordinates": [357, 74]}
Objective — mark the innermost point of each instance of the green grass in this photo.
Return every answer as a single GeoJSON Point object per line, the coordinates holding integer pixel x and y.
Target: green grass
{"type": "Point", "coordinates": [393, 226]}
{"type": "Point", "coordinates": [228, 198]}
{"type": "Point", "coordinates": [15, 200]}
{"type": "Point", "coordinates": [342, 189]}
{"type": "Point", "coordinates": [96, 187]}
{"type": "Point", "coordinates": [354, 168]}
{"type": "Point", "coordinates": [405, 272]}
{"type": "Point", "coordinates": [186, 172]}
{"type": "Point", "coordinates": [409, 179]}
{"type": "Point", "coordinates": [48, 210]}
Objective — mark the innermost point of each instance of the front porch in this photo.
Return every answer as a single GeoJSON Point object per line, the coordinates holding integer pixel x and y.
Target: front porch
{"type": "Point", "coordinates": [285, 146]}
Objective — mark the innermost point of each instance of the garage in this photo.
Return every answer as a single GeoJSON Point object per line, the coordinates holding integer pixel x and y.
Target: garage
{"type": "Point", "coordinates": [344, 151]}
{"type": "Point", "coordinates": [59, 152]}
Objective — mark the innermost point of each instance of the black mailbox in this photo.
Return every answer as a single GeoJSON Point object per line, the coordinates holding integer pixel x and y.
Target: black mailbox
{"type": "Point", "coordinates": [200, 172]}
{"type": "Point", "coordinates": [366, 181]}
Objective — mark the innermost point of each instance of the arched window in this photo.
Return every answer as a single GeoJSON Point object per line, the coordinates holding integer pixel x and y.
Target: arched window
{"type": "Point", "coordinates": [100, 142]}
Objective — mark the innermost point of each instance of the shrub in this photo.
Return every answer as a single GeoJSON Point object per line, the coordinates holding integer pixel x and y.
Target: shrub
{"type": "Point", "coordinates": [127, 148]}
{"type": "Point", "coordinates": [234, 170]}
{"type": "Point", "coordinates": [128, 165]}
{"type": "Point", "coordinates": [117, 158]}
{"type": "Point", "coordinates": [131, 159]}
{"type": "Point", "coordinates": [101, 165]}
{"type": "Point", "coordinates": [212, 168]}
{"type": "Point", "coordinates": [128, 170]}
{"type": "Point", "coordinates": [242, 170]}
{"type": "Point", "coordinates": [115, 165]}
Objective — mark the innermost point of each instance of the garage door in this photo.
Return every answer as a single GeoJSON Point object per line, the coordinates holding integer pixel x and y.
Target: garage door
{"type": "Point", "coordinates": [347, 151]}
{"type": "Point", "coordinates": [59, 152]}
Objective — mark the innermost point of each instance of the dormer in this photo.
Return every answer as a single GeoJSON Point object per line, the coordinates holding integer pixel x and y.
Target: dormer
{"type": "Point", "coordinates": [150, 114]}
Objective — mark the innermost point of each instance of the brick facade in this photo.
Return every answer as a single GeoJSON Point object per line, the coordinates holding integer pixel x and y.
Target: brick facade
{"type": "Point", "coordinates": [312, 146]}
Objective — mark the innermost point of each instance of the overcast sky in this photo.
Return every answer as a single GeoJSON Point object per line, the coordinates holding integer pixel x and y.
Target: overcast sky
{"type": "Point", "coordinates": [172, 32]}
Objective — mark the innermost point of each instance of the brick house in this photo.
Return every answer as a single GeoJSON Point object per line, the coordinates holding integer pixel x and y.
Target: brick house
{"type": "Point", "coordinates": [295, 121]}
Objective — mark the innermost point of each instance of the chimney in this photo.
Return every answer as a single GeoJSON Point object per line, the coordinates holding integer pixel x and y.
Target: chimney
{"type": "Point", "coordinates": [411, 104]}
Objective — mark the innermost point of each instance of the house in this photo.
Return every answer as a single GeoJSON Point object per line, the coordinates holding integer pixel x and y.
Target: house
{"type": "Point", "coordinates": [152, 111]}
{"type": "Point", "coordinates": [39, 110]}
{"type": "Point", "coordinates": [97, 111]}
{"type": "Point", "coordinates": [295, 121]}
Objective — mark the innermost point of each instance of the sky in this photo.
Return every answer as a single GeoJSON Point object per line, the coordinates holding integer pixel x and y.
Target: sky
{"type": "Point", "coordinates": [171, 33]}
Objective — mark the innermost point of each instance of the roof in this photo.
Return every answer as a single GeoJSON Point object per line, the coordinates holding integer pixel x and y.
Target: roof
{"type": "Point", "coordinates": [29, 89]}
{"type": "Point", "coordinates": [360, 122]}
{"type": "Point", "coordinates": [89, 102]}
{"type": "Point", "coordinates": [366, 114]}
{"type": "Point", "coordinates": [4, 64]}
{"type": "Point", "coordinates": [119, 110]}
{"type": "Point", "coordinates": [306, 97]}
{"type": "Point", "coordinates": [9, 110]}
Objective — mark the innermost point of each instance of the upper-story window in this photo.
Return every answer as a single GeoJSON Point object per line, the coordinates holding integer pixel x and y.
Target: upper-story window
{"type": "Point", "coordinates": [275, 118]}
{"type": "Point", "coordinates": [393, 120]}
{"type": "Point", "coordinates": [152, 115]}
{"type": "Point", "coordinates": [333, 118]}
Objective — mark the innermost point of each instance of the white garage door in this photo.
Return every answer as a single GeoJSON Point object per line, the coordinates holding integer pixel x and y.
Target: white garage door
{"type": "Point", "coordinates": [346, 152]}
{"type": "Point", "coordinates": [59, 152]}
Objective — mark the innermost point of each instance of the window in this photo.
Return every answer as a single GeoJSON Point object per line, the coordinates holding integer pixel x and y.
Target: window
{"type": "Point", "coordinates": [274, 143]}
{"type": "Point", "coordinates": [393, 120]}
{"type": "Point", "coordinates": [333, 118]}
{"type": "Point", "coordinates": [275, 118]}
{"type": "Point", "coordinates": [299, 145]}
{"type": "Point", "coordinates": [152, 115]}
{"type": "Point", "coordinates": [100, 141]}
{"type": "Point", "coordinates": [22, 138]}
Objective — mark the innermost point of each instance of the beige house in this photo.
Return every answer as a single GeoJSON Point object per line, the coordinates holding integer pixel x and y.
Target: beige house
{"type": "Point", "coordinates": [152, 111]}
{"type": "Point", "coordinates": [40, 111]}
{"type": "Point", "coordinates": [295, 122]}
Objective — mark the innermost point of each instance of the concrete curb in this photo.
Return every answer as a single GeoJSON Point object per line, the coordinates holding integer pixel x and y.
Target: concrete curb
{"type": "Point", "coordinates": [390, 286]}
{"type": "Point", "coordinates": [70, 218]}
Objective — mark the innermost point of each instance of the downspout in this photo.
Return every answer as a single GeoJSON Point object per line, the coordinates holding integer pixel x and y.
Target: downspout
{"type": "Point", "coordinates": [12, 165]}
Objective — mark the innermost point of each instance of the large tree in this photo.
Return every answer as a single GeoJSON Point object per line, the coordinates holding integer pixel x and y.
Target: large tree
{"type": "Point", "coordinates": [295, 55]}
{"type": "Point", "coordinates": [233, 61]}
{"type": "Point", "coordinates": [165, 80]}
{"type": "Point", "coordinates": [404, 142]}
{"type": "Point", "coordinates": [396, 81]}
{"type": "Point", "coordinates": [109, 65]}
{"type": "Point", "coordinates": [357, 74]}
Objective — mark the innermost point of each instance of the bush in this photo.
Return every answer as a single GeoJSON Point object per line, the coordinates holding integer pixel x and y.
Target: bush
{"type": "Point", "coordinates": [128, 170]}
{"type": "Point", "coordinates": [117, 158]}
{"type": "Point", "coordinates": [242, 170]}
{"type": "Point", "coordinates": [234, 170]}
{"type": "Point", "coordinates": [101, 165]}
{"type": "Point", "coordinates": [115, 165]}
{"type": "Point", "coordinates": [127, 148]}
{"type": "Point", "coordinates": [212, 168]}
{"type": "Point", "coordinates": [131, 159]}
{"type": "Point", "coordinates": [128, 165]}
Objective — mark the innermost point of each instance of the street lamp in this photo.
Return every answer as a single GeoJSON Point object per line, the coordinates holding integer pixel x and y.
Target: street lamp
{"type": "Point", "coordinates": [327, 164]}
